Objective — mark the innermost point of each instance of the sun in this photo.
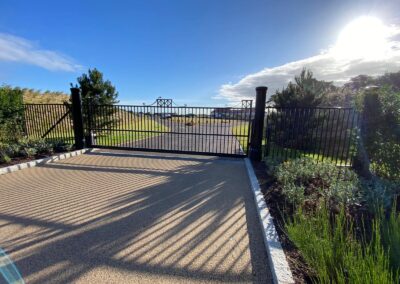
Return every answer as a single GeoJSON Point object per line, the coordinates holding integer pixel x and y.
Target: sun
{"type": "Point", "coordinates": [364, 38]}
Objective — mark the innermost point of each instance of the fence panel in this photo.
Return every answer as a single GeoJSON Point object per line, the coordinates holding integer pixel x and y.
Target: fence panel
{"type": "Point", "coordinates": [49, 121]}
{"type": "Point", "coordinates": [319, 133]}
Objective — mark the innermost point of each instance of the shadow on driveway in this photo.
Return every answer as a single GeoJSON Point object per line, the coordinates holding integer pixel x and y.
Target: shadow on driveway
{"type": "Point", "coordinates": [117, 218]}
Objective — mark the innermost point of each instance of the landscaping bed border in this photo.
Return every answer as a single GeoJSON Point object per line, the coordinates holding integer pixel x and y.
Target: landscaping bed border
{"type": "Point", "coordinates": [280, 269]}
{"type": "Point", "coordinates": [34, 163]}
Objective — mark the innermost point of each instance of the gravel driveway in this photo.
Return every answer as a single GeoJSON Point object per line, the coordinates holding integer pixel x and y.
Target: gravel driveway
{"type": "Point", "coordinates": [117, 217]}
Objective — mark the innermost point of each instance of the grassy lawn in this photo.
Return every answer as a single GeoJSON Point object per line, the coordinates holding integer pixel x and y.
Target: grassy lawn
{"type": "Point", "coordinates": [130, 132]}
{"type": "Point", "coordinates": [281, 152]}
{"type": "Point", "coordinates": [242, 129]}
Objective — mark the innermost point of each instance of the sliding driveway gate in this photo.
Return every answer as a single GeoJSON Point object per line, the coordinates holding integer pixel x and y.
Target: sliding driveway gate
{"type": "Point", "coordinates": [167, 128]}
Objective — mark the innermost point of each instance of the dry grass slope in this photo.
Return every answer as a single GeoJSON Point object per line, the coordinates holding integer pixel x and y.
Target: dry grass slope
{"type": "Point", "coordinates": [37, 97]}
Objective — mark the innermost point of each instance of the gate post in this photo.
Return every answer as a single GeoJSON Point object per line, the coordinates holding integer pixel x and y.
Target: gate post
{"type": "Point", "coordinates": [77, 118]}
{"type": "Point", "coordinates": [255, 153]}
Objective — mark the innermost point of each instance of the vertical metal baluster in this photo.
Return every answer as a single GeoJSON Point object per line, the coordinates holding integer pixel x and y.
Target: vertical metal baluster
{"type": "Point", "coordinates": [52, 121]}
{"type": "Point", "coordinates": [111, 126]}
{"type": "Point", "coordinates": [300, 127]}
{"type": "Point", "coordinates": [330, 135]}
{"type": "Point", "coordinates": [336, 135]}
{"type": "Point", "coordinates": [126, 128]}
{"type": "Point", "coordinates": [105, 118]}
{"type": "Point", "coordinates": [283, 128]}
{"type": "Point", "coordinates": [322, 129]}
{"type": "Point", "coordinates": [138, 134]}
{"type": "Point", "coordinates": [339, 135]}
{"type": "Point", "coordinates": [46, 120]}
{"type": "Point", "coordinates": [281, 133]}
{"type": "Point", "coordinates": [326, 126]}
{"type": "Point", "coordinates": [65, 123]}
{"type": "Point", "coordinates": [315, 134]}
{"type": "Point", "coordinates": [50, 115]}
{"type": "Point", "coordinates": [133, 118]}
{"type": "Point", "coordinates": [292, 151]}
{"type": "Point", "coordinates": [310, 131]}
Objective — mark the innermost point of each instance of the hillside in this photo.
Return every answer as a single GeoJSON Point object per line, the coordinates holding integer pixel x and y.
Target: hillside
{"type": "Point", "coordinates": [32, 96]}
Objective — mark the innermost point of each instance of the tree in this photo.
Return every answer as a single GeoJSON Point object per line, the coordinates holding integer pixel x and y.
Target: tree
{"type": "Point", "coordinates": [97, 92]}
{"type": "Point", "coordinates": [306, 91]}
{"type": "Point", "coordinates": [295, 118]}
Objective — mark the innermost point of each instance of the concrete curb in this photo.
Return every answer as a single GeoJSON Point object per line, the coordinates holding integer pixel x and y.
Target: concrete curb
{"type": "Point", "coordinates": [34, 163]}
{"type": "Point", "coordinates": [277, 260]}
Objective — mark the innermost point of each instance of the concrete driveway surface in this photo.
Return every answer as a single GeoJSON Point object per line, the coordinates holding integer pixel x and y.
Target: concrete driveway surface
{"type": "Point", "coordinates": [118, 217]}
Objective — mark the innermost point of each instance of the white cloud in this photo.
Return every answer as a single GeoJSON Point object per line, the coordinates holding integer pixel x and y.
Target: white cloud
{"type": "Point", "coordinates": [337, 64]}
{"type": "Point", "coordinates": [17, 49]}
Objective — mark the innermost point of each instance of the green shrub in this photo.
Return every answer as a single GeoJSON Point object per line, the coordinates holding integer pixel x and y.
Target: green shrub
{"type": "Point", "coordinates": [332, 251]}
{"type": "Point", "coordinates": [378, 193]}
{"type": "Point", "coordinates": [42, 146]}
{"type": "Point", "coordinates": [29, 148]}
{"type": "Point", "coordinates": [28, 152]}
{"type": "Point", "coordinates": [4, 158]}
{"type": "Point", "coordinates": [61, 146]}
{"type": "Point", "coordinates": [304, 180]}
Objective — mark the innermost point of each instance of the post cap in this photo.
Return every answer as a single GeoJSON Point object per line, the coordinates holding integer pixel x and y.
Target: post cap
{"type": "Point", "coordinates": [261, 88]}
{"type": "Point", "coordinates": [75, 90]}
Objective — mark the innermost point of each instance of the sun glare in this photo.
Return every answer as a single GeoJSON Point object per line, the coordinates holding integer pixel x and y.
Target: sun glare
{"type": "Point", "coordinates": [364, 38]}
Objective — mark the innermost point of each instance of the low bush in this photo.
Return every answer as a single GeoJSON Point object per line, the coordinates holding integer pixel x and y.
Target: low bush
{"type": "Point", "coordinates": [378, 192]}
{"type": "Point", "coordinates": [4, 158]}
{"type": "Point", "coordinates": [346, 229]}
{"type": "Point", "coordinates": [61, 146]}
{"type": "Point", "coordinates": [31, 148]}
{"type": "Point", "coordinates": [307, 182]}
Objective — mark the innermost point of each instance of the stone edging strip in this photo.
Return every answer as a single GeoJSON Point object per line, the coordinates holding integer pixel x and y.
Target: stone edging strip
{"type": "Point", "coordinates": [34, 163]}
{"type": "Point", "coordinates": [277, 260]}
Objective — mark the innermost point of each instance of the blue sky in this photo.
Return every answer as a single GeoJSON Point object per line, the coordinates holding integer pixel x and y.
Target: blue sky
{"type": "Point", "coordinates": [195, 51]}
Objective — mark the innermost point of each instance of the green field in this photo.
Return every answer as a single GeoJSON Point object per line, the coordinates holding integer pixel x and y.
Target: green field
{"type": "Point", "coordinates": [238, 131]}
{"type": "Point", "coordinates": [130, 132]}
{"type": "Point", "coordinates": [129, 127]}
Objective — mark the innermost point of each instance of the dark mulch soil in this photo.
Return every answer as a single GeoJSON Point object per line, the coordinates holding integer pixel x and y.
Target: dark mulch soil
{"type": "Point", "coordinates": [275, 201]}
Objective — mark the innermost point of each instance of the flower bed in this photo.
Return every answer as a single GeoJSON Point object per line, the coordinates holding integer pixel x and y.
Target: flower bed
{"type": "Point", "coordinates": [333, 226]}
{"type": "Point", "coordinates": [23, 150]}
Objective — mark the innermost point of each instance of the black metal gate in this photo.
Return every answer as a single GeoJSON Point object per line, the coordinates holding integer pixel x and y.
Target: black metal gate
{"type": "Point", "coordinates": [166, 128]}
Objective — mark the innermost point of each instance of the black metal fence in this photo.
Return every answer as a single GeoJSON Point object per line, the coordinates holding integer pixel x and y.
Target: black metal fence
{"type": "Point", "coordinates": [204, 130]}
{"type": "Point", "coordinates": [49, 121]}
{"type": "Point", "coordinates": [319, 133]}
